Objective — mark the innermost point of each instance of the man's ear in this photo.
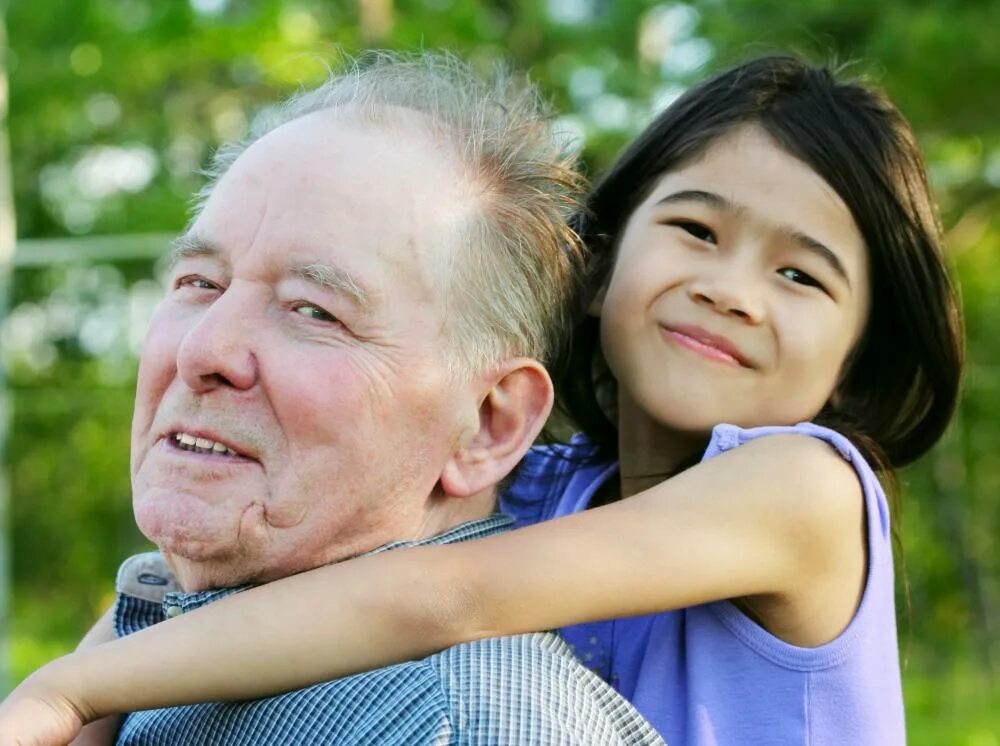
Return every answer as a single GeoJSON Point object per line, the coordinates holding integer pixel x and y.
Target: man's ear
{"type": "Point", "coordinates": [511, 415]}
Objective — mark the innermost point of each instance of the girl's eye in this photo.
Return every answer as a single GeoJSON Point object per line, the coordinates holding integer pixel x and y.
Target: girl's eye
{"type": "Point", "coordinates": [800, 277]}
{"type": "Point", "coordinates": [697, 230]}
{"type": "Point", "coordinates": [315, 313]}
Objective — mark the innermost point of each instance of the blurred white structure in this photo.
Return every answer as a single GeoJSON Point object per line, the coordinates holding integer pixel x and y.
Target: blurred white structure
{"type": "Point", "coordinates": [7, 235]}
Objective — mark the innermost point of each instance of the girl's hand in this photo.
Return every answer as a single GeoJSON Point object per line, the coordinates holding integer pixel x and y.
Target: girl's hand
{"type": "Point", "coordinates": [35, 715]}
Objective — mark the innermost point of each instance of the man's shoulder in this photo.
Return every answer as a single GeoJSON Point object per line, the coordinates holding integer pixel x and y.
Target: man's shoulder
{"type": "Point", "coordinates": [396, 705]}
{"type": "Point", "coordinates": [531, 689]}
{"type": "Point", "coordinates": [521, 689]}
{"type": "Point", "coordinates": [531, 650]}
{"type": "Point", "coordinates": [515, 663]}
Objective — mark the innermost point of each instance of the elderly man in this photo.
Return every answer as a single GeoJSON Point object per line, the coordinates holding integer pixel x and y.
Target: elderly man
{"type": "Point", "coordinates": [347, 358]}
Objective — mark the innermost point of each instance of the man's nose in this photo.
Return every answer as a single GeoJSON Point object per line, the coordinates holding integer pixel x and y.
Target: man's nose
{"type": "Point", "coordinates": [218, 350]}
{"type": "Point", "coordinates": [731, 291]}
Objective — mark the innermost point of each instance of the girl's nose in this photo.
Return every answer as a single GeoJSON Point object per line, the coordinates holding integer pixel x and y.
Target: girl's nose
{"type": "Point", "coordinates": [729, 294]}
{"type": "Point", "coordinates": [217, 351]}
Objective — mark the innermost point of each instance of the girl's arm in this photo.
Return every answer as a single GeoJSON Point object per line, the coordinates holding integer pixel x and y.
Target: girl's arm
{"type": "Point", "coordinates": [100, 732]}
{"type": "Point", "coordinates": [33, 715]}
{"type": "Point", "coordinates": [754, 522]}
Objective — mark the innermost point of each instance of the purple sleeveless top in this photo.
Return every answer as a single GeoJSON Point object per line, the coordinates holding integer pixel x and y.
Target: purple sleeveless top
{"type": "Point", "coordinates": [709, 674]}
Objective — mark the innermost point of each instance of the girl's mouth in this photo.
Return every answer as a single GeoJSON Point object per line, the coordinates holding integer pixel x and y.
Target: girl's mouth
{"type": "Point", "coordinates": [710, 346]}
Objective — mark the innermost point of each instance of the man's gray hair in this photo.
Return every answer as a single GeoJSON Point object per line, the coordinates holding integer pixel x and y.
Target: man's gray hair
{"type": "Point", "coordinates": [514, 274]}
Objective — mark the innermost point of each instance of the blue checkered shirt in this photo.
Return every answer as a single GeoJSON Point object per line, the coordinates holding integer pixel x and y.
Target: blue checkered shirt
{"type": "Point", "coordinates": [527, 689]}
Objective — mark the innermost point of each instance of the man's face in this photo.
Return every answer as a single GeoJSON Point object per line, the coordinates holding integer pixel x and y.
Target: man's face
{"type": "Point", "coordinates": [293, 396]}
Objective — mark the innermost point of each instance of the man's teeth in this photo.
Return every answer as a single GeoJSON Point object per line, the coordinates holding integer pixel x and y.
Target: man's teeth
{"type": "Point", "coordinates": [201, 445]}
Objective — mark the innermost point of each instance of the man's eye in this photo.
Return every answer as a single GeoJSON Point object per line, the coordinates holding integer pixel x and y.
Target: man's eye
{"type": "Point", "coordinates": [314, 312]}
{"type": "Point", "coordinates": [193, 281]}
{"type": "Point", "coordinates": [800, 277]}
{"type": "Point", "coordinates": [699, 231]}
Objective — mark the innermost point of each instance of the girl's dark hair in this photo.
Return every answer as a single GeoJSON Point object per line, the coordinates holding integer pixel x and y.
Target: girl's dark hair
{"type": "Point", "coordinates": [901, 383]}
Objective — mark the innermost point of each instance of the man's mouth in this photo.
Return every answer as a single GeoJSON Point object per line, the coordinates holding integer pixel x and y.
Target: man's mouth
{"type": "Point", "coordinates": [197, 444]}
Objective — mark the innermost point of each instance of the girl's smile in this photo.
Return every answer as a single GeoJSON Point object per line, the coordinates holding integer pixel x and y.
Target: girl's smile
{"type": "Point", "coordinates": [711, 346]}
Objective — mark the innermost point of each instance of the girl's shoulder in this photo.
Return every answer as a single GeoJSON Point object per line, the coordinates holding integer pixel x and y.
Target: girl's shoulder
{"type": "Point", "coordinates": [818, 455]}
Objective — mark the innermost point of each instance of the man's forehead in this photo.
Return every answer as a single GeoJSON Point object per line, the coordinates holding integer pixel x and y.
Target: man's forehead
{"type": "Point", "coordinates": [376, 200]}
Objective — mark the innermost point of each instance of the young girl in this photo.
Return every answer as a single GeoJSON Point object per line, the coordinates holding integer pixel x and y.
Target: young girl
{"type": "Point", "coordinates": [765, 253]}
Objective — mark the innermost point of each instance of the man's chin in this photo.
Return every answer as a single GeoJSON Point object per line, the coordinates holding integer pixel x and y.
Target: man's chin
{"type": "Point", "coordinates": [202, 561]}
{"type": "Point", "coordinates": [208, 572]}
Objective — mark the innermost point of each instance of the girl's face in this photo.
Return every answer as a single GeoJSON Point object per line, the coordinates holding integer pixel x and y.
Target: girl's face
{"type": "Point", "coordinates": [740, 287]}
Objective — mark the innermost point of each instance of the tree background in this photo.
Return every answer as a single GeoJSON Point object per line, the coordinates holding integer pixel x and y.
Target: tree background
{"type": "Point", "coordinates": [116, 104]}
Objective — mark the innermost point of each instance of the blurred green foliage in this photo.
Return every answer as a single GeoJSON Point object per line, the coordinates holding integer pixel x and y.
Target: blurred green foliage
{"type": "Point", "coordinates": [116, 104]}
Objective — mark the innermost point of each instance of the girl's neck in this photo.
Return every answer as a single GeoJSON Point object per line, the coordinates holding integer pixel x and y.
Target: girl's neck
{"type": "Point", "coordinates": [649, 452]}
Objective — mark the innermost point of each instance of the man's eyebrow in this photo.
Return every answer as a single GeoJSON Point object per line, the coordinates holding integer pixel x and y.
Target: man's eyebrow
{"type": "Point", "coordinates": [808, 243]}
{"type": "Point", "coordinates": [332, 278]}
{"type": "Point", "coordinates": [336, 279]}
{"type": "Point", "coordinates": [192, 245]}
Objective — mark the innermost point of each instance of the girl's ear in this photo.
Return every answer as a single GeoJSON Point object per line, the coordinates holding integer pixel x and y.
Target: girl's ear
{"type": "Point", "coordinates": [839, 400]}
{"type": "Point", "coordinates": [596, 304]}
{"type": "Point", "coordinates": [511, 415]}
{"type": "Point", "coordinates": [603, 258]}
{"type": "Point", "coordinates": [836, 401]}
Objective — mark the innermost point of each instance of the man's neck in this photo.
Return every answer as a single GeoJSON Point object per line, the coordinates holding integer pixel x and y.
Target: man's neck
{"type": "Point", "coordinates": [445, 512]}
{"type": "Point", "coordinates": [474, 528]}
{"type": "Point", "coordinates": [440, 514]}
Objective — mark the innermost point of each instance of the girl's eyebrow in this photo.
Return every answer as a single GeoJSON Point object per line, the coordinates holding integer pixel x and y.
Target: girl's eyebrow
{"type": "Point", "coordinates": [820, 250]}
{"type": "Point", "coordinates": [808, 243]}
{"type": "Point", "coordinates": [711, 199]}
